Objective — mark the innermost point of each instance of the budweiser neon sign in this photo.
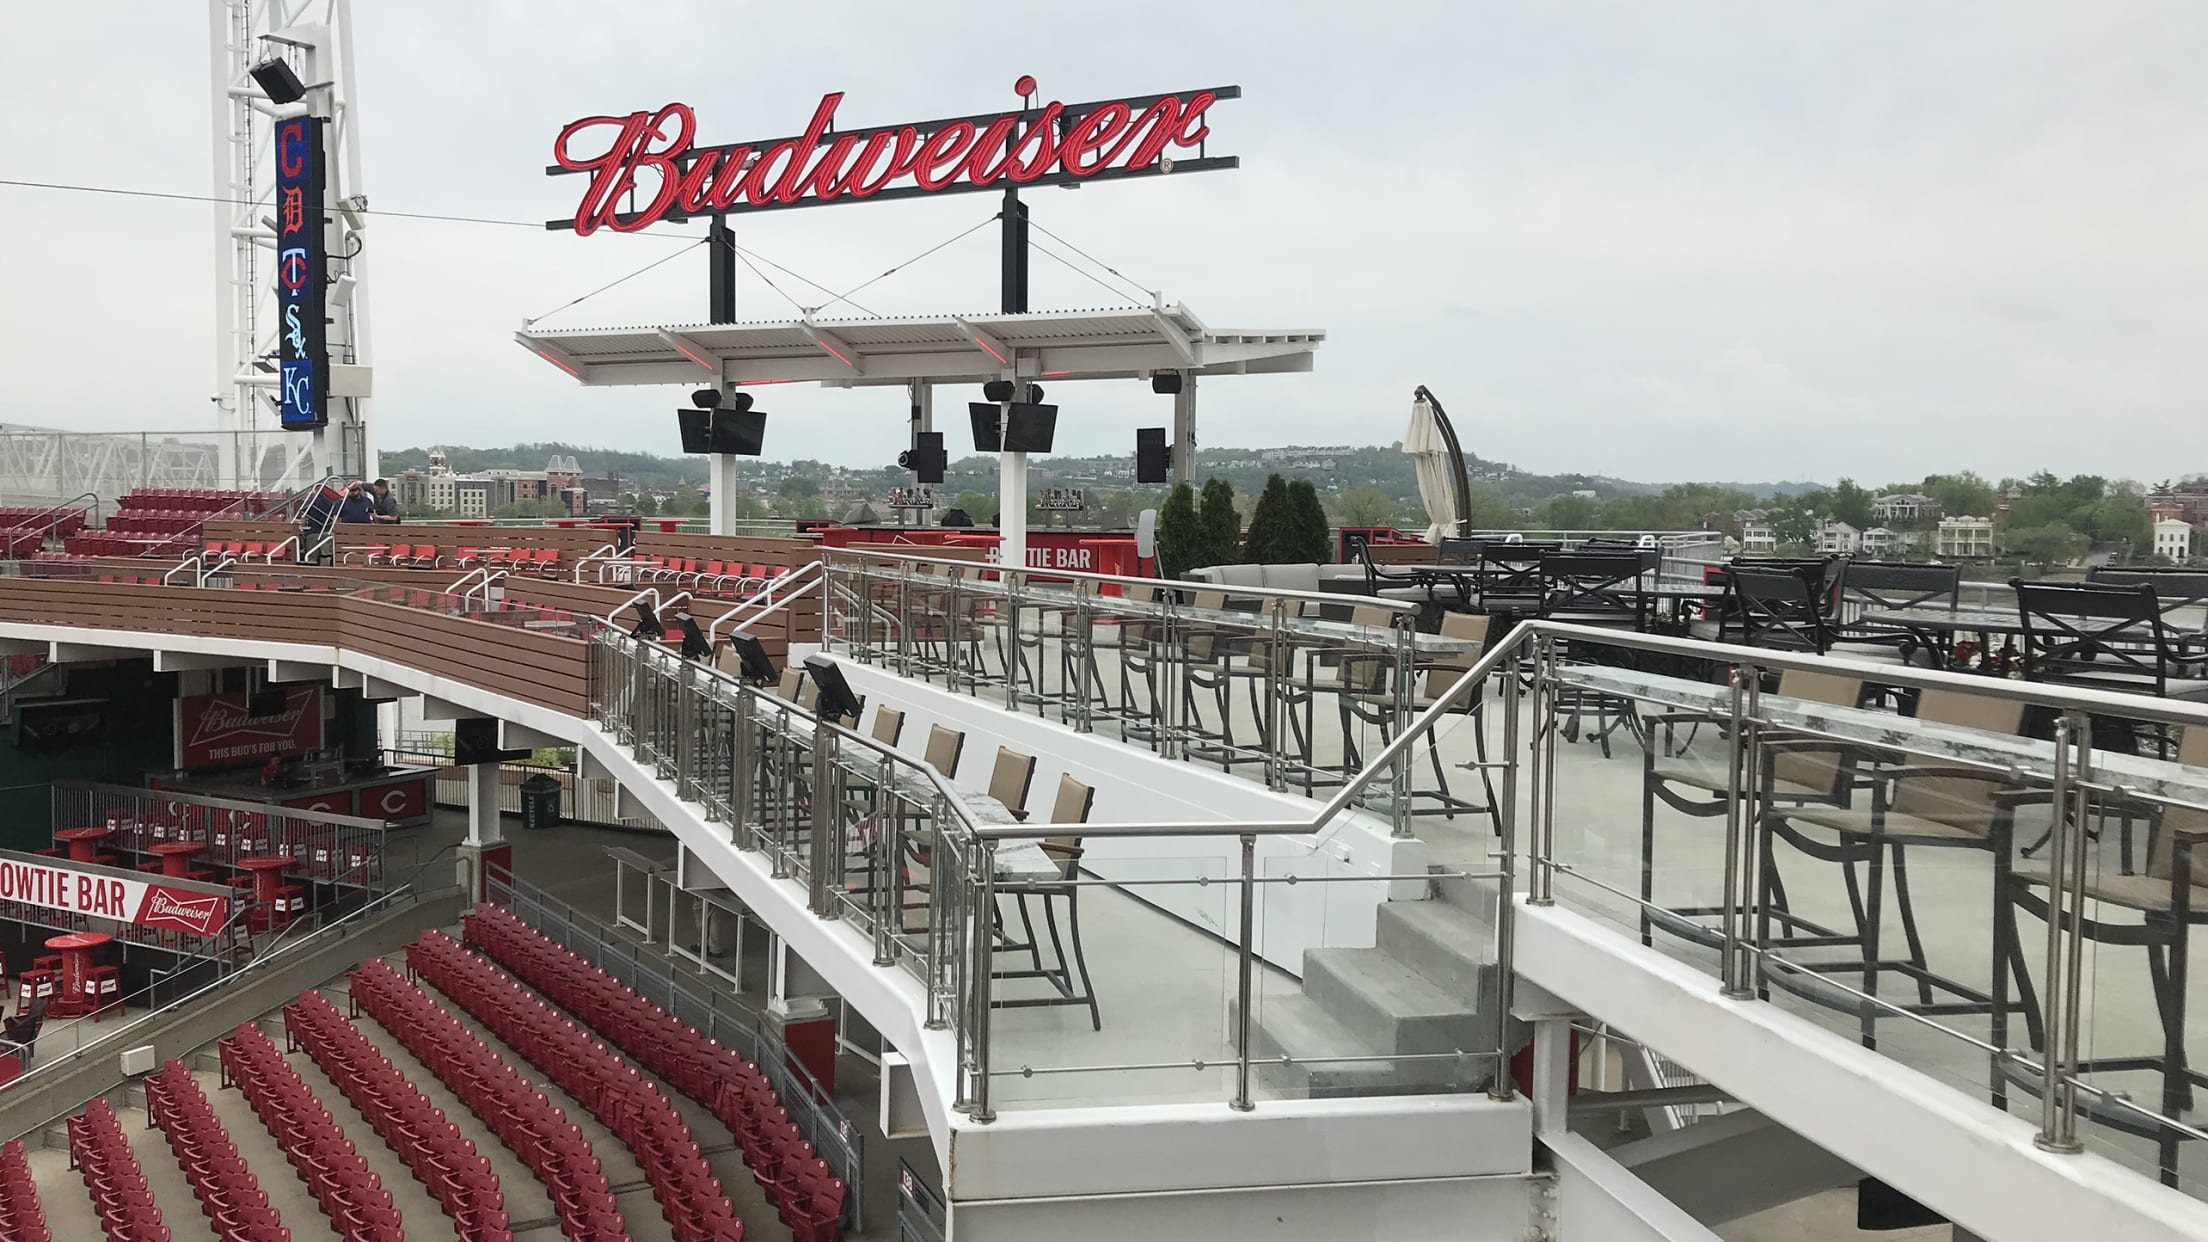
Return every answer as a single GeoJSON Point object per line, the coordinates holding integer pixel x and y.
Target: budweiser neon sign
{"type": "Point", "coordinates": [645, 167]}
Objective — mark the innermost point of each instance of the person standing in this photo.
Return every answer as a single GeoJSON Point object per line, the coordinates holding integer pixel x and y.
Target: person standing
{"type": "Point", "coordinates": [387, 505]}
{"type": "Point", "coordinates": [357, 506]}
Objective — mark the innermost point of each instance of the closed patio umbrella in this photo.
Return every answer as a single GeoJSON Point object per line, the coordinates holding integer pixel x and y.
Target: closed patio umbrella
{"type": "Point", "coordinates": [1432, 445]}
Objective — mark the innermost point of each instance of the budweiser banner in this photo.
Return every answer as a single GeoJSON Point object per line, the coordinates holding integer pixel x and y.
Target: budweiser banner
{"type": "Point", "coordinates": [107, 893]}
{"type": "Point", "coordinates": [219, 730]}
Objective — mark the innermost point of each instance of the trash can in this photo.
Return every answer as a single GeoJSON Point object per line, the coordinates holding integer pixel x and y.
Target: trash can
{"type": "Point", "coordinates": [540, 801]}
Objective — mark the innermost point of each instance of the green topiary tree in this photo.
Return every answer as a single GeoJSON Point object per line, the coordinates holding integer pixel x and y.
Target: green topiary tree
{"type": "Point", "coordinates": [1221, 525]}
{"type": "Point", "coordinates": [1270, 541]}
{"type": "Point", "coordinates": [1314, 538]}
{"type": "Point", "coordinates": [1180, 533]}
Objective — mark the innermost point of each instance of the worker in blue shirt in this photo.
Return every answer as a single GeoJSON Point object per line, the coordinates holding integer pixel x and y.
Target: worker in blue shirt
{"type": "Point", "coordinates": [358, 505]}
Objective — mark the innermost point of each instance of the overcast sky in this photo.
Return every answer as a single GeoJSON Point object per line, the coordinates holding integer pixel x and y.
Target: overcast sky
{"type": "Point", "coordinates": [1662, 241]}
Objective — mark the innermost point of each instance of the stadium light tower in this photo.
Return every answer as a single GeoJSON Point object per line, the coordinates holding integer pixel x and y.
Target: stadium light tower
{"type": "Point", "coordinates": [314, 39]}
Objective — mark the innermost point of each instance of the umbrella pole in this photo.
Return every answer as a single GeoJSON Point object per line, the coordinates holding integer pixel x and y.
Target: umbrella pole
{"type": "Point", "coordinates": [1456, 460]}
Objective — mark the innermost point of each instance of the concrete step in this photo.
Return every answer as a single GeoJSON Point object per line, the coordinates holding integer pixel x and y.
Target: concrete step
{"type": "Point", "coordinates": [62, 1193]}
{"type": "Point", "coordinates": [527, 1202]}
{"type": "Point", "coordinates": [172, 1191]}
{"type": "Point", "coordinates": [418, 1210]}
{"type": "Point", "coordinates": [1294, 1026]}
{"type": "Point", "coordinates": [1441, 941]}
{"type": "Point", "coordinates": [1392, 1006]}
{"type": "Point", "coordinates": [287, 1192]}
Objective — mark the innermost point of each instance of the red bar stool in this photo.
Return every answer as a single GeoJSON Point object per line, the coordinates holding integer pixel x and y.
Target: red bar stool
{"type": "Point", "coordinates": [32, 986]}
{"type": "Point", "coordinates": [46, 961]}
{"type": "Point", "coordinates": [103, 991]}
{"type": "Point", "coordinates": [291, 902]}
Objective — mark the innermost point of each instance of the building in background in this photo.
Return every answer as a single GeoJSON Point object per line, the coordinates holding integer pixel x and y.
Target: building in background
{"type": "Point", "coordinates": [1905, 507]}
{"type": "Point", "coordinates": [439, 490]}
{"type": "Point", "coordinates": [2173, 539]}
{"type": "Point", "coordinates": [1838, 539]}
{"type": "Point", "coordinates": [1963, 538]}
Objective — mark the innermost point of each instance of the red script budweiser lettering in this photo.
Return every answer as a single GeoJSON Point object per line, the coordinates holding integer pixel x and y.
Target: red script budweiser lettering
{"type": "Point", "coordinates": [651, 155]}
{"type": "Point", "coordinates": [197, 915]}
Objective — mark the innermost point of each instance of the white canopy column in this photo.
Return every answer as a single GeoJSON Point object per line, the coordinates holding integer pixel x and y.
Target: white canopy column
{"type": "Point", "coordinates": [1184, 431]}
{"type": "Point", "coordinates": [1011, 492]}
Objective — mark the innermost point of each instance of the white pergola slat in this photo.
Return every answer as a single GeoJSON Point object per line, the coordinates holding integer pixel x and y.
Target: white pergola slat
{"type": "Point", "coordinates": [1098, 344]}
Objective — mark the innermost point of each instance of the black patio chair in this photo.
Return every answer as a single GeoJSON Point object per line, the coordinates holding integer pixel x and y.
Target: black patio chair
{"type": "Point", "coordinates": [1886, 586]}
{"type": "Point", "coordinates": [1778, 608]}
{"type": "Point", "coordinates": [2105, 637]}
{"type": "Point", "coordinates": [1509, 578]}
{"type": "Point", "coordinates": [2170, 900]}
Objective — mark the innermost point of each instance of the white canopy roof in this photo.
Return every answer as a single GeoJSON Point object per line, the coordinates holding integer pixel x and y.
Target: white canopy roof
{"type": "Point", "coordinates": [1092, 344]}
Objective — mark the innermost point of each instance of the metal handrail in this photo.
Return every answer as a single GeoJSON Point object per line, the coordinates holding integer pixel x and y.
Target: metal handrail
{"type": "Point", "coordinates": [869, 552]}
{"type": "Point", "coordinates": [648, 593]}
{"type": "Point", "coordinates": [56, 513]}
{"type": "Point", "coordinates": [712, 631]}
{"type": "Point", "coordinates": [195, 563]}
{"type": "Point", "coordinates": [611, 551]}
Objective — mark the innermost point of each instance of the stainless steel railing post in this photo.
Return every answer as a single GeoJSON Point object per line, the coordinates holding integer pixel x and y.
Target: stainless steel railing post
{"type": "Point", "coordinates": [826, 815]}
{"type": "Point", "coordinates": [1502, 1086]}
{"type": "Point", "coordinates": [686, 733]}
{"type": "Point", "coordinates": [887, 882]}
{"type": "Point", "coordinates": [1399, 780]}
{"type": "Point", "coordinates": [938, 971]}
{"type": "Point", "coordinates": [1247, 964]}
{"type": "Point", "coordinates": [1013, 581]}
{"type": "Point", "coordinates": [2066, 850]}
{"type": "Point", "coordinates": [1738, 897]}
{"type": "Point", "coordinates": [985, 885]}
{"type": "Point", "coordinates": [1541, 763]}
{"type": "Point", "coordinates": [744, 768]}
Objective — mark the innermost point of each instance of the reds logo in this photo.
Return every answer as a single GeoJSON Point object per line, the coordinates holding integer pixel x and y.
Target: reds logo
{"type": "Point", "coordinates": [197, 915]}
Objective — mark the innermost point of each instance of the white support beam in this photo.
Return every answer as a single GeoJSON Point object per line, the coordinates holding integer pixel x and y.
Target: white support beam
{"type": "Point", "coordinates": [86, 653]}
{"type": "Point", "coordinates": [1177, 340]}
{"type": "Point", "coordinates": [292, 670]}
{"type": "Point", "coordinates": [999, 353]}
{"type": "Point", "coordinates": [23, 647]}
{"type": "Point", "coordinates": [512, 736]}
{"type": "Point", "coordinates": [378, 691]}
{"type": "Point", "coordinates": [838, 348]}
{"type": "Point", "coordinates": [565, 361]}
{"type": "Point", "coordinates": [689, 348]}
{"type": "Point", "coordinates": [190, 661]}
{"type": "Point", "coordinates": [439, 709]}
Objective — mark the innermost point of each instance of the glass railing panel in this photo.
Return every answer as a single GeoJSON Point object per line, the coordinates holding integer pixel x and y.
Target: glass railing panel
{"type": "Point", "coordinates": [1144, 927]}
{"type": "Point", "coordinates": [2139, 871]}
{"type": "Point", "coordinates": [1628, 768]}
{"type": "Point", "coordinates": [1371, 984]}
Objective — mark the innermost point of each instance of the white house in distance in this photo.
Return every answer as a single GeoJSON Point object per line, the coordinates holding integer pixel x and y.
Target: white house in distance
{"type": "Point", "coordinates": [1962, 538]}
{"type": "Point", "coordinates": [1904, 507]}
{"type": "Point", "coordinates": [2173, 539]}
{"type": "Point", "coordinates": [1881, 541]}
{"type": "Point", "coordinates": [1838, 539]}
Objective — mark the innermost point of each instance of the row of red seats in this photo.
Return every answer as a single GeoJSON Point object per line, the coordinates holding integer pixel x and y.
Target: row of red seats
{"type": "Point", "coordinates": [457, 1175]}
{"type": "Point", "coordinates": [61, 522]}
{"type": "Point", "coordinates": [807, 1196]}
{"type": "Point", "coordinates": [712, 577]}
{"type": "Point", "coordinates": [103, 543]}
{"type": "Point", "coordinates": [689, 1195]}
{"type": "Point", "coordinates": [227, 1191]}
{"type": "Point", "coordinates": [349, 1191]}
{"type": "Point", "coordinates": [156, 522]}
{"type": "Point", "coordinates": [249, 549]}
{"type": "Point", "coordinates": [428, 556]}
{"type": "Point", "coordinates": [201, 500]}
{"type": "Point", "coordinates": [21, 1217]}
{"type": "Point", "coordinates": [99, 1151]}
{"type": "Point", "coordinates": [522, 1118]}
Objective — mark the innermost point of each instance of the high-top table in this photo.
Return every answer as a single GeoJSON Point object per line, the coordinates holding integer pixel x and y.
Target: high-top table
{"type": "Point", "coordinates": [69, 1000]}
{"type": "Point", "coordinates": [83, 843]}
{"type": "Point", "coordinates": [176, 856]}
{"type": "Point", "coordinates": [267, 871]}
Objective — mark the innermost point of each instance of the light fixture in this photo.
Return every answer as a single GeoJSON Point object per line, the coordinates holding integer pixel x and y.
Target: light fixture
{"type": "Point", "coordinates": [1034, 394]}
{"type": "Point", "coordinates": [997, 390]}
{"type": "Point", "coordinates": [706, 398]}
{"type": "Point", "coordinates": [353, 207]}
{"type": "Point", "coordinates": [1166, 383]}
{"type": "Point", "coordinates": [278, 82]}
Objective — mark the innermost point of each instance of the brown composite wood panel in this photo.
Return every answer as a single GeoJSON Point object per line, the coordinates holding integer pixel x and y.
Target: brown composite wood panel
{"type": "Point", "coordinates": [573, 543]}
{"type": "Point", "coordinates": [750, 549]}
{"type": "Point", "coordinates": [544, 669]}
{"type": "Point", "coordinates": [247, 530]}
{"type": "Point", "coordinates": [538, 668]}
